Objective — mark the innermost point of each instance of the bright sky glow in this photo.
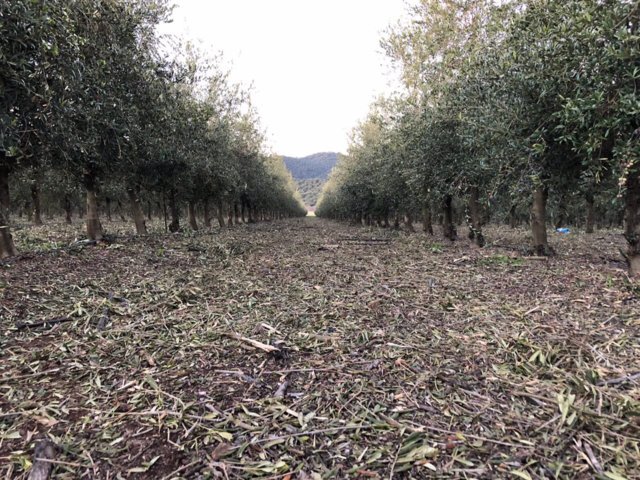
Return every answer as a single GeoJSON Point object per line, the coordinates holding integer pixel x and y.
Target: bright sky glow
{"type": "Point", "coordinates": [315, 65]}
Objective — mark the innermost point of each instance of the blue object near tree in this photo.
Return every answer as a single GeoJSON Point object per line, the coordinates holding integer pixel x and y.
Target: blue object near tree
{"type": "Point", "coordinates": [563, 230]}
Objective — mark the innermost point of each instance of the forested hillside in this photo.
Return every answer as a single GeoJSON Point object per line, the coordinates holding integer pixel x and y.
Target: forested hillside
{"type": "Point", "coordinates": [310, 174]}
{"type": "Point", "coordinates": [318, 165]}
{"type": "Point", "coordinates": [310, 190]}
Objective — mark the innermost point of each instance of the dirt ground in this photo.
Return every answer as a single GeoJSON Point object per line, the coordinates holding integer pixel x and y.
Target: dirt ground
{"type": "Point", "coordinates": [308, 349]}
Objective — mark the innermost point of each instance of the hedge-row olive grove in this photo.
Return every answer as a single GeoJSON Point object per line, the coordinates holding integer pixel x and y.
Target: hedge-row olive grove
{"type": "Point", "coordinates": [95, 104]}
{"type": "Point", "coordinates": [507, 106]}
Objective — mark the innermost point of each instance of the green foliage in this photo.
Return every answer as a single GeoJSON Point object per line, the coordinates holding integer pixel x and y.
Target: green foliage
{"type": "Point", "coordinates": [502, 98]}
{"type": "Point", "coordinates": [310, 190]}
{"type": "Point", "coordinates": [89, 98]}
{"type": "Point", "coordinates": [318, 165]}
{"type": "Point", "coordinates": [500, 260]}
{"type": "Point", "coordinates": [310, 173]}
{"type": "Point", "coordinates": [435, 247]}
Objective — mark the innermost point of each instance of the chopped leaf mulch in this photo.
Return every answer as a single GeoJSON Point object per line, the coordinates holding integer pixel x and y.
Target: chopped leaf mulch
{"type": "Point", "coordinates": [307, 349]}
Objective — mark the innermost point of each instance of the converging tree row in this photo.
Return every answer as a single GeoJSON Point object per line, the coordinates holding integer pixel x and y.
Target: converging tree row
{"type": "Point", "coordinates": [96, 103]}
{"type": "Point", "coordinates": [507, 106]}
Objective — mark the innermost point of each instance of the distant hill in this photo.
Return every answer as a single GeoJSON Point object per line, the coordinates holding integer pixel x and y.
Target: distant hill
{"type": "Point", "coordinates": [317, 165]}
{"type": "Point", "coordinates": [310, 173]}
{"type": "Point", "coordinates": [310, 189]}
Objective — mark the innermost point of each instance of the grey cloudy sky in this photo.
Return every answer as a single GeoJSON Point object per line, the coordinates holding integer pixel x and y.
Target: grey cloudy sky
{"type": "Point", "coordinates": [315, 65]}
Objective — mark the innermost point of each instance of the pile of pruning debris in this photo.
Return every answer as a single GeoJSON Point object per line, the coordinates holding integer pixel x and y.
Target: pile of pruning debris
{"type": "Point", "coordinates": [308, 349]}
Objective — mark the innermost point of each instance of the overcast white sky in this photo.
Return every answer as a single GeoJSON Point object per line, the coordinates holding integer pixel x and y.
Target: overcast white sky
{"type": "Point", "coordinates": [315, 65]}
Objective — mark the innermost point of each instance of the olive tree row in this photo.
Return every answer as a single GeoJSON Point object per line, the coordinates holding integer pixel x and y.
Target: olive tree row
{"type": "Point", "coordinates": [90, 95]}
{"type": "Point", "coordinates": [505, 104]}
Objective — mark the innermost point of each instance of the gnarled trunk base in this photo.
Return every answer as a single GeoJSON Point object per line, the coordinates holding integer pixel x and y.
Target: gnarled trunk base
{"type": "Point", "coordinates": [7, 248]}
{"type": "Point", "coordinates": [448, 228]}
{"type": "Point", "coordinates": [632, 222]}
{"type": "Point", "coordinates": [408, 221]}
{"type": "Point", "coordinates": [136, 212]}
{"type": "Point", "coordinates": [174, 226]}
{"type": "Point", "coordinates": [35, 200]}
{"type": "Point", "coordinates": [191, 213]}
{"type": "Point", "coordinates": [220, 213]}
{"type": "Point", "coordinates": [427, 226]}
{"type": "Point", "coordinates": [475, 220]}
{"type": "Point", "coordinates": [66, 204]}
{"type": "Point", "coordinates": [5, 201]}
{"type": "Point", "coordinates": [207, 214]}
{"type": "Point", "coordinates": [538, 222]}
{"type": "Point", "coordinates": [94, 227]}
{"type": "Point", "coordinates": [591, 214]}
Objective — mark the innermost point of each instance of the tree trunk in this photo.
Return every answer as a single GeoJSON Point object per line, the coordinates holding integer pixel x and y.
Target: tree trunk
{"type": "Point", "coordinates": [66, 204]}
{"type": "Point", "coordinates": [448, 228]}
{"type": "Point", "coordinates": [236, 213]}
{"type": "Point", "coordinates": [220, 213]}
{"type": "Point", "coordinates": [121, 212]}
{"type": "Point", "coordinates": [562, 213]}
{"type": "Point", "coordinates": [367, 220]}
{"type": "Point", "coordinates": [206, 213]}
{"type": "Point", "coordinates": [5, 199]}
{"type": "Point", "coordinates": [408, 221]}
{"type": "Point", "coordinates": [174, 226]}
{"type": "Point", "coordinates": [230, 216]}
{"type": "Point", "coordinates": [513, 219]}
{"type": "Point", "coordinates": [149, 210]}
{"type": "Point", "coordinates": [35, 199]}
{"type": "Point", "coordinates": [475, 227]}
{"type": "Point", "coordinates": [164, 210]}
{"type": "Point", "coordinates": [107, 201]}
{"type": "Point", "coordinates": [538, 221]}
{"type": "Point", "coordinates": [591, 214]}
{"type": "Point", "coordinates": [7, 248]}
{"type": "Point", "coordinates": [191, 214]}
{"type": "Point", "coordinates": [252, 213]}
{"type": "Point", "coordinates": [136, 211]}
{"type": "Point", "coordinates": [632, 221]}
{"type": "Point", "coordinates": [427, 225]}
{"type": "Point", "coordinates": [396, 222]}
{"type": "Point", "coordinates": [243, 210]}
{"type": "Point", "coordinates": [94, 228]}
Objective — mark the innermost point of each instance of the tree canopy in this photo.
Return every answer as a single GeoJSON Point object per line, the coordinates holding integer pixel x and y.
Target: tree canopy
{"type": "Point", "coordinates": [91, 94]}
{"type": "Point", "coordinates": [503, 102]}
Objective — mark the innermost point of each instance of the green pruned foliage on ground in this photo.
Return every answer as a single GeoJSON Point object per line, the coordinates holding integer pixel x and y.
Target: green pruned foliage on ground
{"type": "Point", "coordinates": [267, 351]}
